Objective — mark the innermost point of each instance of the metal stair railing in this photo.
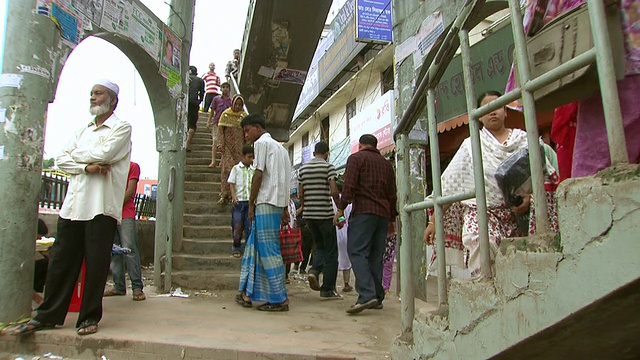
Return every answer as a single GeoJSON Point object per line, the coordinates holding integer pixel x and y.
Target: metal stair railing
{"type": "Point", "coordinates": [601, 54]}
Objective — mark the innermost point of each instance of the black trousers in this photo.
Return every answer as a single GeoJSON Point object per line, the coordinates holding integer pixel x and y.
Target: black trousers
{"type": "Point", "coordinates": [77, 240]}
{"type": "Point", "coordinates": [208, 99]}
{"type": "Point", "coordinates": [307, 246]}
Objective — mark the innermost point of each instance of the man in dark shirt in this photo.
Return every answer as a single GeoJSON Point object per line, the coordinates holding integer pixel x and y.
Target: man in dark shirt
{"type": "Point", "coordinates": [196, 93]}
{"type": "Point", "coordinates": [370, 186]}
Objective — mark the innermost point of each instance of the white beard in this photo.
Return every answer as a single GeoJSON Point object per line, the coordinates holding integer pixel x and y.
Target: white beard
{"type": "Point", "coordinates": [100, 109]}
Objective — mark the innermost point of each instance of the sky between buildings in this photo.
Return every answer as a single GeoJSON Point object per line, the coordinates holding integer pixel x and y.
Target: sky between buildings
{"type": "Point", "coordinates": [218, 30]}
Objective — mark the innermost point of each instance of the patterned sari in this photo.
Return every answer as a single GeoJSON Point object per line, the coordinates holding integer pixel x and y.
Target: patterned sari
{"type": "Point", "coordinates": [230, 141]}
{"type": "Point", "coordinates": [460, 221]}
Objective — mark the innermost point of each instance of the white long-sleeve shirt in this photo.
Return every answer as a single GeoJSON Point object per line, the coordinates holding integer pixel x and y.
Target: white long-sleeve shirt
{"type": "Point", "coordinates": [89, 195]}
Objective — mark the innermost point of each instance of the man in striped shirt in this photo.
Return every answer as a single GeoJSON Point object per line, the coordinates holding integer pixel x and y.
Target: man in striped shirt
{"type": "Point", "coordinates": [317, 179]}
{"type": "Point", "coordinates": [211, 86]}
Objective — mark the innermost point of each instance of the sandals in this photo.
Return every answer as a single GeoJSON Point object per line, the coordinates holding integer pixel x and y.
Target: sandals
{"type": "Point", "coordinates": [242, 302]}
{"type": "Point", "coordinates": [273, 307]}
{"type": "Point", "coordinates": [87, 327]}
{"type": "Point", "coordinates": [30, 327]}
{"type": "Point", "coordinates": [112, 292]}
{"type": "Point", "coordinates": [138, 295]}
{"type": "Point", "coordinates": [237, 254]}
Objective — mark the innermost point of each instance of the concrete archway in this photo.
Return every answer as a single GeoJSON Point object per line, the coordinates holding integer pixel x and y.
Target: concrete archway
{"type": "Point", "coordinates": [31, 66]}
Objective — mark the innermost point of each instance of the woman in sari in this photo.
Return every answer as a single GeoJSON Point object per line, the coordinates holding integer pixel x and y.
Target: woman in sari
{"type": "Point", "coordinates": [229, 143]}
{"type": "Point", "coordinates": [461, 224]}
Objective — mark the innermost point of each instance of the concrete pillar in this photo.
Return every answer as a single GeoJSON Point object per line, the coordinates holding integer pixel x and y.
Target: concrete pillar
{"type": "Point", "coordinates": [27, 87]}
{"type": "Point", "coordinates": [170, 209]}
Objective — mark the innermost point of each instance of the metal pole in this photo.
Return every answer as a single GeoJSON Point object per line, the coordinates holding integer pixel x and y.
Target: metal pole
{"type": "Point", "coordinates": [476, 153]}
{"type": "Point", "coordinates": [407, 297]}
{"type": "Point", "coordinates": [24, 96]}
{"type": "Point", "coordinates": [436, 172]}
{"type": "Point", "coordinates": [607, 78]}
{"type": "Point", "coordinates": [536, 159]}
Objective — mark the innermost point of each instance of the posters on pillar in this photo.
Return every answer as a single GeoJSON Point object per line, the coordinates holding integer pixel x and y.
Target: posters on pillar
{"type": "Point", "coordinates": [375, 119]}
{"type": "Point", "coordinates": [91, 9]}
{"type": "Point", "coordinates": [292, 76]}
{"type": "Point", "coordinates": [69, 23]}
{"type": "Point", "coordinates": [430, 30]}
{"type": "Point", "coordinates": [373, 21]}
{"type": "Point", "coordinates": [170, 60]}
{"type": "Point", "coordinates": [144, 30]}
{"type": "Point", "coordinates": [116, 15]}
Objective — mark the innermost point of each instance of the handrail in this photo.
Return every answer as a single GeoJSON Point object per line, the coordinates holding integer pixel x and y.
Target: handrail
{"type": "Point", "coordinates": [600, 54]}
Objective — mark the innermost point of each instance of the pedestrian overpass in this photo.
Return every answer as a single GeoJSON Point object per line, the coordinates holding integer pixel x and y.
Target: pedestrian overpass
{"type": "Point", "coordinates": [279, 34]}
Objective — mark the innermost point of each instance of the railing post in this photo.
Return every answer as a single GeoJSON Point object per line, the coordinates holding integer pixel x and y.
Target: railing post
{"type": "Point", "coordinates": [536, 159]}
{"type": "Point", "coordinates": [476, 154]}
{"type": "Point", "coordinates": [407, 296]}
{"type": "Point", "coordinates": [607, 79]}
{"type": "Point", "coordinates": [436, 174]}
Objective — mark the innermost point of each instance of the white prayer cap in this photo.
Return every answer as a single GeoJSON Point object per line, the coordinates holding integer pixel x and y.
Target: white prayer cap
{"type": "Point", "coordinates": [109, 85]}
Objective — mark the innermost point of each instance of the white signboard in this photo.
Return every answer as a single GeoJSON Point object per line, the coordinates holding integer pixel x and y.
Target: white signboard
{"type": "Point", "coordinates": [374, 119]}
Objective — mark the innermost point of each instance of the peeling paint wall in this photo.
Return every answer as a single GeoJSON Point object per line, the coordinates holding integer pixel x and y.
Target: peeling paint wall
{"type": "Point", "coordinates": [599, 223]}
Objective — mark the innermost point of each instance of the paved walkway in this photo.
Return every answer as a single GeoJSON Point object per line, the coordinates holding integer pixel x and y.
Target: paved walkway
{"type": "Point", "coordinates": [212, 326]}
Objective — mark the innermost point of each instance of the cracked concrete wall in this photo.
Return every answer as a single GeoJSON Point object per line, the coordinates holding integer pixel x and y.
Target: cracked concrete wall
{"type": "Point", "coordinates": [599, 223]}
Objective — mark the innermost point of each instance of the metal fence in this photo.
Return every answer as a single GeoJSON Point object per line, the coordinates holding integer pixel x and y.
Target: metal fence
{"type": "Point", "coordinates": [460, 28]}
{"type": "Point", "coordinates": [53, 190]}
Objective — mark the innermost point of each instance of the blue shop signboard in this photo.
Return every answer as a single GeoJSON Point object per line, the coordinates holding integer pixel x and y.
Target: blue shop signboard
{"type": "Point", "coordinates": [373, 19]}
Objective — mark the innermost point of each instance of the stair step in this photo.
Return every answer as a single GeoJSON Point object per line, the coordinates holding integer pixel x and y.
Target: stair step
{"type": "Point", "coordinates": [201, 160]}
{"type": "Point", "coordinates": [202, 186]}
{"type": "Point", "coordinates": [207, 232]}
{"type": "Point", "coordinates": [200, 154]}
{"type": "Point", "coordinates": [208, 195]}
{"type": "Point", "coordinates": [226, 262]}
{"type": "Point", "coordinates": [207, 219]}
{"type": "Point", "coordinates": [206, 246]}
{"type": "Point", "coordinates": [201, 139]}
{"type": "Point", "coordinates": [201, 169]}
{"type": "Point", "coordinates": [206, 279]}
{"type": "Point", "coordinates": [206, 208]}
{"type": "Point", "coordinates": [202, 177]}
{"type": "Point", "coordinates": [201, 147]}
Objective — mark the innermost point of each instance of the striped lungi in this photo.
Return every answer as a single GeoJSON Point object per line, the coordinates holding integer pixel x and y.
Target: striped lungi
{"type": "Point", "coordinates": [262, 274]}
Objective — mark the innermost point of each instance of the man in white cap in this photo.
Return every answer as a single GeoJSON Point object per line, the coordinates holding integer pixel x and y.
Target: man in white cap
{"type": "Point", "coordinates": [97, 157]}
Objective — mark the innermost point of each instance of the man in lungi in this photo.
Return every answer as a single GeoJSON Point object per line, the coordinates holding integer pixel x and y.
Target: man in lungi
{"type": "Point", "coordinates": [262, 277]}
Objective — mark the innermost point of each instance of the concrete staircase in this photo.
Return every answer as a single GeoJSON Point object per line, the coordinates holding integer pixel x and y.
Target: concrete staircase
{"type": "Point", "coordinates": [204, 261]}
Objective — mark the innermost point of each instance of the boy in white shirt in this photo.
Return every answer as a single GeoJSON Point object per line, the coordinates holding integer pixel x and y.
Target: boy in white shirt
{"type": "Point", "coordinates": [240, 183]}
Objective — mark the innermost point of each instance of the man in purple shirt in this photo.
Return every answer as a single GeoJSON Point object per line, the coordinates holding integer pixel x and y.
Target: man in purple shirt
{"type": "Point", "coordinates": [370, 186]}
{"type": "Point", "coordinates": [219, 104]}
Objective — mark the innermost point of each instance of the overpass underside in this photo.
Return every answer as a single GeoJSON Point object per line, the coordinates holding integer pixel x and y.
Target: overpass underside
{"type": "Point", "coordinates": [280, 34]}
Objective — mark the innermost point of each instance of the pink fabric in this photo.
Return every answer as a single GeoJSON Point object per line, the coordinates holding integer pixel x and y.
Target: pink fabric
{"type": "Point", "coordinates": [591, 151]}
{"type": "Point", "coordinates": [563, 133]}
{"type": "Point", "coordinates": [389, 256]}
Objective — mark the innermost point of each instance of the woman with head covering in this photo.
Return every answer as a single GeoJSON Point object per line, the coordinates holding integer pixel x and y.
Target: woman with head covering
{"type": "Point", "coordinates": [460, 222]}
{"type": "Point", "coordinates": [229, 143]}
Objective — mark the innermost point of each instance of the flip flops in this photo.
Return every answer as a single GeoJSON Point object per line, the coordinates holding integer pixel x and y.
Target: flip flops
{"type": "Point", "coordinates": [242, 302]}
{"type": "Point", "coordinates": [273, 307]}
{"type": "Point", "coordinates": [30, 327]}
{"type": "Point", "coordinates": [87, 327]}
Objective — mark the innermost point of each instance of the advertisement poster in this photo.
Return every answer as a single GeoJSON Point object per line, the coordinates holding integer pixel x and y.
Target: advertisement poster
{"type": "Point", "coordinates": [290, 75]}
{"type": "Point", "coordinates": [144, 31]}
{"type": "Point", "coordinates": [69, 23]}
{"type": "Point", "coordinates": [91, 9]}
{"type": "Point", "coordinates": [373, 19]}
{"type": "Point", "coordinates": [171, 53]}
{"type": "Point", "coordinates": [116, 15]}
{"type": "Point", "coordinates": [375, 119]}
